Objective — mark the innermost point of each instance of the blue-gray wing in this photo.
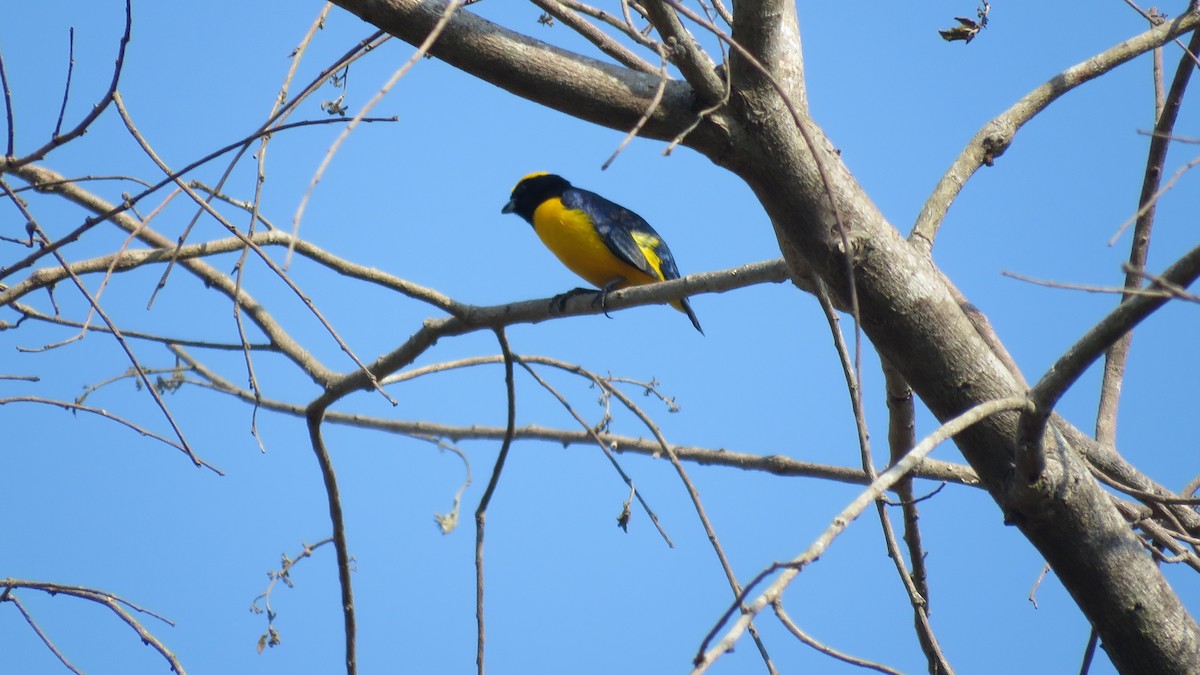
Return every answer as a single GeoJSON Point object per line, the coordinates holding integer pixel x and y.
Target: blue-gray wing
{"type": "Point", "coordinates": [624, 232]}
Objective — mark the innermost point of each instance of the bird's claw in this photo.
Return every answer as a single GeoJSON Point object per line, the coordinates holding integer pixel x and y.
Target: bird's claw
{"type": "Point", "coordinates": [599, 298]}
{"type": "Point", "coordinates": [559, 302]}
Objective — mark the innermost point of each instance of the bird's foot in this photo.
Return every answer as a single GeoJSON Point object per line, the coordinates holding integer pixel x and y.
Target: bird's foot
{"type": "Point", "coordinates": [602, 298]}
{"type": "Point", "coordinates": [559, 302]}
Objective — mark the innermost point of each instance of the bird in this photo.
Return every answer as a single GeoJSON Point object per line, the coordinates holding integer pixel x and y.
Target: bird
{"type": "Point", "coordinates": [608, 245]}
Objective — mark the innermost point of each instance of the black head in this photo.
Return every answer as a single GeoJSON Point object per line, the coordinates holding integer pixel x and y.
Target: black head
{"type": "Point", "coordinates": [531, 191]}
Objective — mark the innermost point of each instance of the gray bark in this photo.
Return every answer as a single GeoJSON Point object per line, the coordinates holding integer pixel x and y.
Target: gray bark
{"type": "Point", "coordinates": [908, 309]}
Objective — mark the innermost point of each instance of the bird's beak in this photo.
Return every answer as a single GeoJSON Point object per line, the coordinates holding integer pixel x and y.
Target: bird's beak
{"type": "Point", "coordinates": [509, 207]}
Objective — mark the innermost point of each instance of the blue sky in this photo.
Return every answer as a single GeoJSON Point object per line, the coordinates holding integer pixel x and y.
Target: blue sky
{"type": "Point", "coordinates": [93, 504]}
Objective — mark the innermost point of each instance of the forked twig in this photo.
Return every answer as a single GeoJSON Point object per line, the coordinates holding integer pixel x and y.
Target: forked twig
{"type": "Point", "coordinates": [707, 656]}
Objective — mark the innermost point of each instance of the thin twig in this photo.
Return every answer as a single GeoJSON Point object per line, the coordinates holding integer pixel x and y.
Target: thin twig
{"type": "Point", "coordinates": [654, 103]}
{"type": "Point", "coordinates": [9, 597]}
{"type": "Point", "coordinates": [852, 374]}
{"type": "Point", "coordinates": [261, 161]}
{"type": "Point", "coordinates": [901, 437]}
{"type": "Point", "coordinates": [807, 639]}
{"type": "Point", "coordinates": [1032, 597]}
{"type": "Point", "coordinates": [270, 638]}
{"type": "Point", "coordinates": [67, 88]}
{"type": "Point", "coordinates": [283, 276]}
{"type": "Point", "coordinates": [625, 24]}
{"type": "Point", "coordinates": [10, 163]}
{"type": "Point", "coordinates": [1167, 111]}
{"type": "Point", "coordinates": [451, 8]}
{"type": "Point", "coordinates": [994, 137]}
{"type": "Point", "coordinates": [481, 510]}
{"type": "Point", "coordinates": [337, 519]}
{"type": "Point", "coordinates": [1092, 288]}
{"type": "Point", "coordinates": [114, 603]}
{"type": "Point", "coordinates": [1167, 186]}
{"type": "Point", "coordinates": [687, 55]}
{"type": "Point", "coordinates": [66, 405]}
{"type": "Point", "coordinates": [706, 657]}
{"type": "Point", "coordinates": [1030, 460]}
{"type": "Point", "coordinates": [9, 154]}
{"type": "Point", "coordinates": [569, 15]}
{"type": "Point", "coordinates": [594, 435]}
{"type": "Point", "coordinates": [116, 333]}
{"type": "Point", "coordinates": [1089, 652]}
{"type": "Point", "coordinates": [694, 495]}
{"type": "Point", "coordinates": [274, 123]}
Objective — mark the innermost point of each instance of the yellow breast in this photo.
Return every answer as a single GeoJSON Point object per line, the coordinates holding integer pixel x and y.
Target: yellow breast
{"type": "Point", "coordinates": [570, 235]}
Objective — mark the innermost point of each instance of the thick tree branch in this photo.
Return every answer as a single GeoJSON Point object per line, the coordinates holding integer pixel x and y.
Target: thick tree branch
{"type": "Point", "coordinates": [769, 30]}
{"type": "Point", "coordinates": [917, 323]}
{"type": "Point", "coordinates": [577, 85]}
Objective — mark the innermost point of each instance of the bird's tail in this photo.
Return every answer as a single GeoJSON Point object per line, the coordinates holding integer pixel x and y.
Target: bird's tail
{"type": "Point", "coordinates": [684, 306]}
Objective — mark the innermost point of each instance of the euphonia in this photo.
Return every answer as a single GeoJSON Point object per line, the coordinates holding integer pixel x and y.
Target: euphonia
{"type": "Point", "coordinates": [605, 243]}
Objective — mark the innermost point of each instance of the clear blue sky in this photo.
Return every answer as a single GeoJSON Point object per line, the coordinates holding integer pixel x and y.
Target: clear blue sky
{"type": "Point", "coordinates": [93, 504]}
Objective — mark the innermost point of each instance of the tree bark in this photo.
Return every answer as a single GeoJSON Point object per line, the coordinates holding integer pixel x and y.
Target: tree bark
{"type": "Point", "coordinates": [907, 308]}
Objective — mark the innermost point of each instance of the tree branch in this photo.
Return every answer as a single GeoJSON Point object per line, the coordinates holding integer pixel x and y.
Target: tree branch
{"type": "Point", "coordinates": [1156, 158]}
{"type": "Point", "coordinates": [884, 482]}
{"type": "Point", "coordinates": [994, 138]}
{"type": "Point", "coordinates": [1031, 460]}
{"type": "Point", "coordinates": [53, 182]}
{"type": "Point", "coordinates": [577, 85]}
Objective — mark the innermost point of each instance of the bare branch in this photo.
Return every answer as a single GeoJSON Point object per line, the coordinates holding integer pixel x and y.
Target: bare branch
{"type": "Point", "coordinates": [338, 521]}
{"type": "Point", "coordinates": [114, 603]}
{"type": "Point", "coordinates": [66, 87]}
{"type": "Point", "coordinates": [128, 260]}
{"type": "Point", "coordinates": [39, 176]}
{"type": "Point", "coordinates": [792, 628]}
{"type": "Point", "coordinates": [1162, 292]}
{"type": "Point", "coordinates": [107, 415]}
{"type": "Point", "coordinates": [271, 637]}
{"type": "Point", "coordinates": [568, 14]}
{"type": "Point", "coordinates": [486, 499]}
{"type": "Point", "coordinates": [683, 50]}
{"type": "Point", "coordinates": [593, 434]}
{"type": "Point", "coordinates": [283, 276]}
{"type": "Point", "coordinates": [852, 373]}
{"type": "Point", "coordinates": [10, 163]}
{"type": "Point", "coordinates": [9, 153]}
{"type": "Point", "coordinates": [658, 94]}
{"type": "Point", "coordinates": [8, 596]}
{"type": "Point", "coordinates": [694, 495]}
{"type": "Point", "coordinates": [775, 464]}
{"type": "Point", "coordinates": [1167, 112]}
{"type": "Point", "coordinates": [533, 311]}
{"type": "Point", "coordinates": [422, 49]}
{"type": "Point", "coordinates": [994, 138]}
{"type": "Point", "coordinates": [583, 87]}
{"type": "Point", "coordinates": [888, 478]}
{"type": "Point", "coordinates": [92, 300]}
{"type": "Point", "coordinates": [1045, 394]}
